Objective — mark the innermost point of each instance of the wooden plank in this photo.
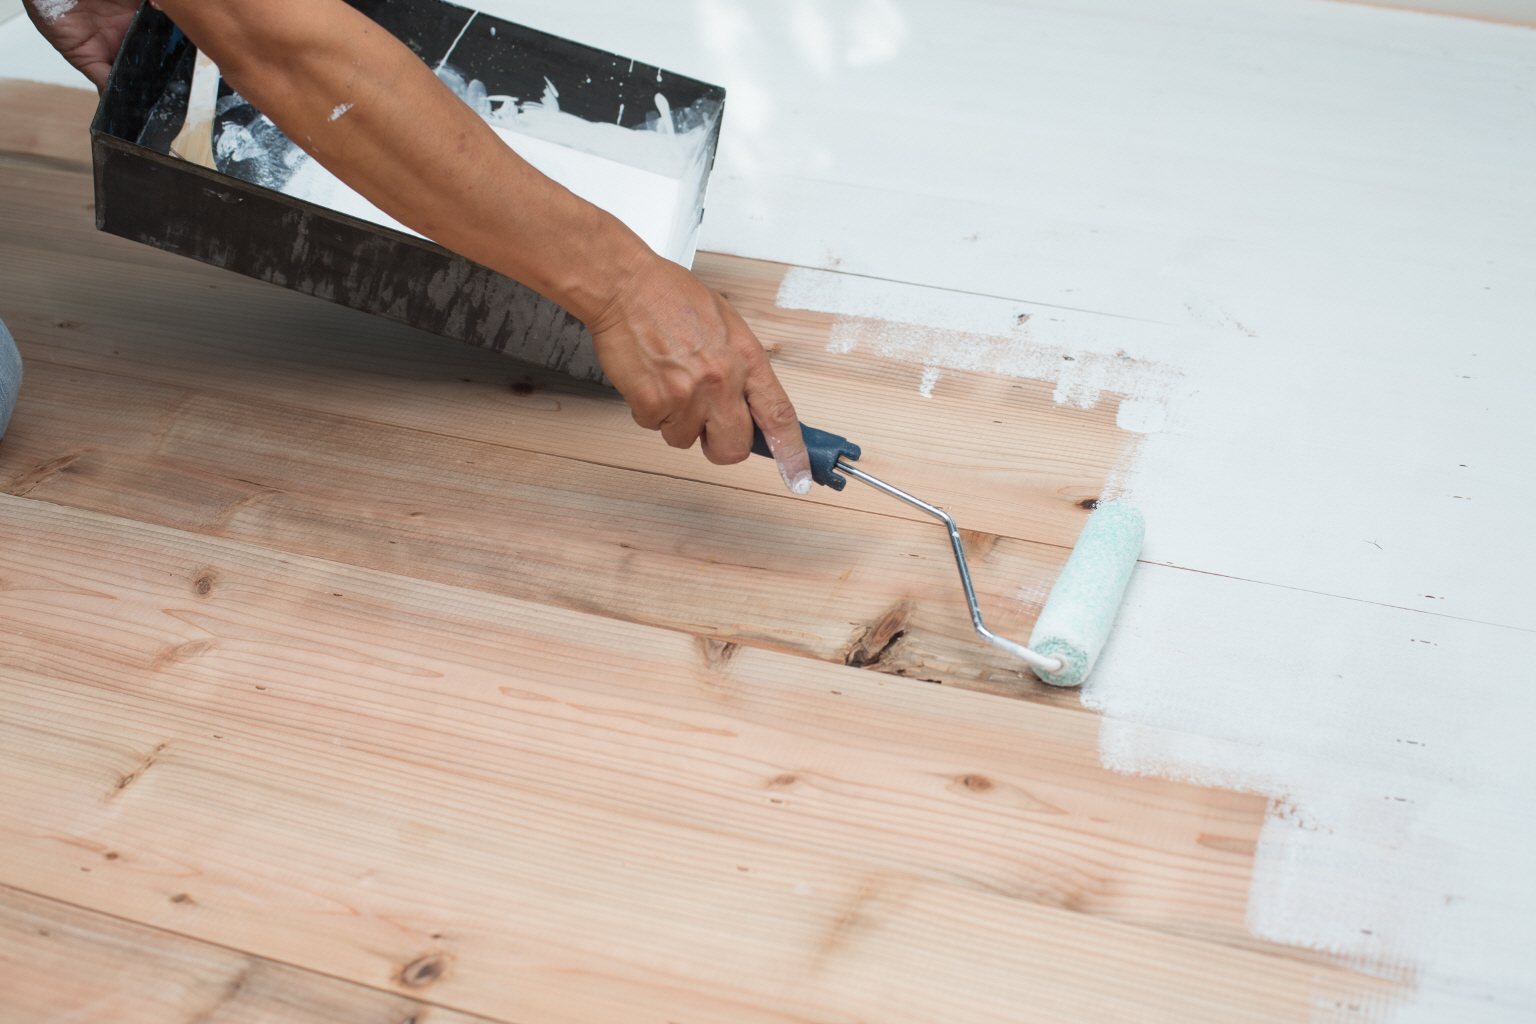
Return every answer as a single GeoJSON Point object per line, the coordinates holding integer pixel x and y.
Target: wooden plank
{"type": "Point", "coordinates": [998, 452]}
{"type": "Point", "coordinates": [62, 963]}
{"type": "Point", "coordinates": [49, 121]}
{"type": "Point", "coordinates": [541, 815]}
{"type": "Point", "coordinates": [1060, 747]}
{"type": "Point", "coordinates": [827, 582]}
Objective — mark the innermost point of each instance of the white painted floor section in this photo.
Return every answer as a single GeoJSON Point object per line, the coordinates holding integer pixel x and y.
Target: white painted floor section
{"type": "Point", "coordinates": [1294, 232]}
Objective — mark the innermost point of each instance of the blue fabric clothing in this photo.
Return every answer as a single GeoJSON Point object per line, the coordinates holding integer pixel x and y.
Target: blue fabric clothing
{"type": "Point", "coordinates": [10, 375]}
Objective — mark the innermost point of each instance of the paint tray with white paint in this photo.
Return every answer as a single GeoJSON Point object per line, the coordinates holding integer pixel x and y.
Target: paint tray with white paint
{"type": "Point", "coordinates": [632, 138]}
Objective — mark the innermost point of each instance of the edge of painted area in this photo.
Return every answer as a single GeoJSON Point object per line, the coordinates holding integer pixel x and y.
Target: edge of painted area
{"type": "Point", "coordinates": [1076, 620]}
{"type": "Point", "coordinates": [10, 376]}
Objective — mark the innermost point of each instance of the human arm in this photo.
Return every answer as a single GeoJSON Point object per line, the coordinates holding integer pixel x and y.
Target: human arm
{"type": "Point", "coordinates": [370, 111]}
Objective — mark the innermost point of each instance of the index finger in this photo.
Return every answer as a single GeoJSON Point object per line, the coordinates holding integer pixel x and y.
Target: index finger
{"type": "Point", "coordinates": [770, 406]}
{"type": "Point", "coordinates": [775, 414]}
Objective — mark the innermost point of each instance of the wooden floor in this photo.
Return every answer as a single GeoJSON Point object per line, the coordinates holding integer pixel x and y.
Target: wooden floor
{"type": "Point", "coordinates": [350, 674]}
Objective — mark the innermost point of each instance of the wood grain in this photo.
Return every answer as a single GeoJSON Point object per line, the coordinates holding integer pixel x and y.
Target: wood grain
{"type": "Point", "coordinates": [562, 817]}
{"type": "Point", "coordinates": [46, 122]}
{"type": "Point", "coordinates": [61, 963]}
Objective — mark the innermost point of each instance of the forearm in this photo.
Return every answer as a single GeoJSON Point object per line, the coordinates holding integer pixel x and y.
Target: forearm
{"type": "Point", "coordinates": [373, 114]}
{"type": "Point", "coordinates": [366, 107]}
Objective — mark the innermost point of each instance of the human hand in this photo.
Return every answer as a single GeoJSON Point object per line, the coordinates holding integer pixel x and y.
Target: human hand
{"type": "Point", "coordinates": [690, 367]}
{"type": "Point", "coordinates": [87, 32]}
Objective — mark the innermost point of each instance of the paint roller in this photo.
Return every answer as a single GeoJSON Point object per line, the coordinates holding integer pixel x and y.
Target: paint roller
{"type": "Point", "coordinates": [1074, 625]}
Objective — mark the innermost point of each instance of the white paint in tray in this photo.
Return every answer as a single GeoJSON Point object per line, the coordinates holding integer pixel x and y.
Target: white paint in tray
{"type": "Point", "coordinates": [649, 179]}
{"type": "Point", "coordinates": [643, 200]}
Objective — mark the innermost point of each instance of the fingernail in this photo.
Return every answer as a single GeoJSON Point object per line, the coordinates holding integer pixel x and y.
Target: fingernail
{"type": "Point", "coordinates": [799, 484]}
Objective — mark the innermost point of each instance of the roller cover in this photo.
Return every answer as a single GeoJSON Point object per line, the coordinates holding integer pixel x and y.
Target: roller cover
{"type": "Point", "coordinates": [1075, 622]}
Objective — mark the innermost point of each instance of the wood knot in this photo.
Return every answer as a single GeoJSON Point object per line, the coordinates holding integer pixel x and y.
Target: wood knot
{"type": "Point", "coordinates": [424, 970]}
{"type": "Point", "coordinates": [784, 781]}
{"type": "Point", "coordinates": [183, 897]}
{"type": "Point", "coordinates": [127, 778]}
{"type": "Point", "coordinates": [978, 545]}
{"type": "Point", "coordinates": [1089, 503]}
{"type": "Point", "coordinates": [717, 653]}
{"type": "Point", "coordinates": [975, 783]}
{"type": "Point", "coordinates": [874, 641]}
{"type": "Point", "coordinates": [202, 582]}
{"type": "Point", "coordinates": [524, 387]}
{"type": "Point", "coordinates": [183, 652]}
{"type": "Point", "coordinates": [41, 473]}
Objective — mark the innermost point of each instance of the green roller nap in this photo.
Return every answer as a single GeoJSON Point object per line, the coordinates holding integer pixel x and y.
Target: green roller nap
{"type": "Point", "coordinates": [1075, 623]}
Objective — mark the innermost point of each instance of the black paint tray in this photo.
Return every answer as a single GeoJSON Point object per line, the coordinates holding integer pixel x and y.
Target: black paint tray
{"type": "Point", "coordinates": [147, 195]}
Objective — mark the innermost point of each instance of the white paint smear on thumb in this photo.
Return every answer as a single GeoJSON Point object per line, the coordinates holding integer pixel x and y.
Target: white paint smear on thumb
{"type": "Point", "coordinates": [52, 10]}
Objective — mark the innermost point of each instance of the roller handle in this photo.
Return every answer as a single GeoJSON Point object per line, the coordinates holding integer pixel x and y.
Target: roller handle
{"type": "Point", "coordinates": [824, 449]}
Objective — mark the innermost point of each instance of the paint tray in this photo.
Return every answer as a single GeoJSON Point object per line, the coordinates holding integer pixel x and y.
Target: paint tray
{"type": "Point", "coordinates": [146, 194]}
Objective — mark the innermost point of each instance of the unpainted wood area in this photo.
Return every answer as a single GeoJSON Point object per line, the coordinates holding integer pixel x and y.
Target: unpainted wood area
{"type": "Point", "coordinates": [338, 685]}
{"type": "Point", "coordinates": [61, 963]}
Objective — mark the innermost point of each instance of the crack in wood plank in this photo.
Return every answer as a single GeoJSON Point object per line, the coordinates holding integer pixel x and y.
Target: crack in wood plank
{"type": "Point", "coordinates": [33, 478]}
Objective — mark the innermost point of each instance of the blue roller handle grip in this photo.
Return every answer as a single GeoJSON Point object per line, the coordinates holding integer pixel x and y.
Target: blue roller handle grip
{"type": "Point", "coordinates": [824, 448]}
